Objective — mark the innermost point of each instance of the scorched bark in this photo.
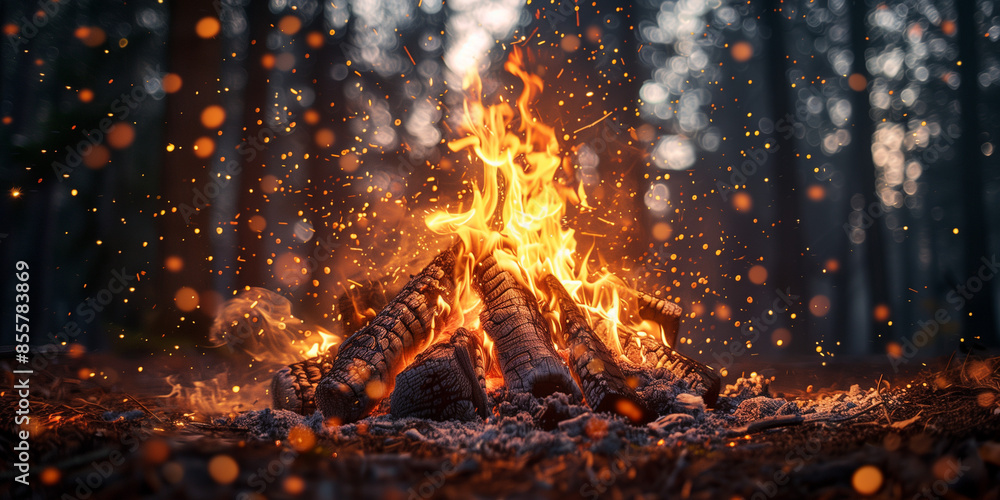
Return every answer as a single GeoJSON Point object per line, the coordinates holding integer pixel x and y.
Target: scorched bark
{"type": "Point", "coordinates": [593, 365]}
{"type": "Point", "coordinates": [445, 382]}
{"type": "Point", "coordinates": [647, 352]}
{"type": "Point", "coordinates": [294, 386]}
{"type": "Point", "coordinates": [520, 334]}
{"type": "Point", "coordinates": [378, 352]}
{"type": "Point", "coordinates": [661, 311]}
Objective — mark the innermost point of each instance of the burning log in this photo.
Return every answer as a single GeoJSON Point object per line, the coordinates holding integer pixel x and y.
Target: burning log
{"type": "Point", "coordinates": [647, 352]}
{"type": "Point", "coordinates": [661, 311]}
{"type": "Point", "coordinates": [520, 334]}
{"type": "Point", "coordinates": [664, 312]}
{"type": "Point", "coordinates": [294, 386]}
{"type": "Point", "coordinates": [592, 363]}
{"type": "Point", "coordinates": [699, 377]}
{"type": "Point", "coordinates": [445, 382]}
{"type": "Point", "coordinates": [365, 369]}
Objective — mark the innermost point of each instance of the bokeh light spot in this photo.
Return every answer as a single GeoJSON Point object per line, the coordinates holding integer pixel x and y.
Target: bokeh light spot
{"type": "Point", "coordinates": [723, 312]}
{"type": "Point", "coordinates": [257, 223]}
{"type": "Point", "coordinates": [881, 313]}
{"type": "Point", "coordinates": [315, 39]}
{"type": "Point", "coordinates": [948, 27]}
{"type": "Point", "coordinates": [173, 472]}
{"type": "Point", "coordinates": [50, 476]}
{"type": "Point", "coordinates": [867, 479]}
{"type": "Point", "coordinates": [819, 306]}
{"type": "Point", "coordinates": [223, 469]}
{"type": "Point", "coordinates": [121, 135]}
{"type": "Point", "coordinates": [172, 83]}
{"type": "Point", "coordinates": [742, 202]}
{"type": "Point", "coordinates": [349, 162]}
{"type": "Point", "coordinates": [662, 231]}
{"type": "Point", "coordinates": [155, 451]}
{"type": "Point", "coordinates": [781, 337]}
{"type": "Point", "coordinates": [207, 27]}
{"type": "Point", "coordinates": [269, 184]}
{"type": "Point", "coordinates": [570, 43]}
{"type": "Point", "coordinates": [375, 389]}
{"type": "Point", "coordinates": [894, 350]}
{"type": "Point", "coordinates": [816, 192]}
{"type": "Point", "coordinates": [173, 263]}
{"type": "Point", "coordinates": [294, 485]}
{"type": "Point", "coordinates": [857, 82]}
{"type": "Point", "coordinates": [741, 51]}
{"type": "Point", "coordinates": [301, 438]}
{"type": "Point", "coordinates": [290, 25]}
{"type": "Point", "coordinates": [186, 299]}
{"type": "Point", "coordinates": [311, 116]}
{"type": "Point", "coordinates": [324, 138]}
{"type": "Point", "coordinates": [97, 157]}
{"type": "Point", "coordinates": [91, 36]}
{"type": "Point", "coordinates": [285, 61]}
{"type": "Point", "coordinates": [267, 61]}
{"type": "Point", "coordinates": [204, 147]}
{"type": "Point", "coordinates": [213, 116]}
{"type": "Point", "coordinates": [986, 399]}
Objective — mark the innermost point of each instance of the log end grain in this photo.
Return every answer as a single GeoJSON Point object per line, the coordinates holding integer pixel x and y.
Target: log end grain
{"type": "Point", "coordinates": [285, 393]}
{"type": "Point", "coordinates": [293, 387]}
{"type": "Point", "coordinates": [446, 382]}
{"type": "Point", "coordinates": [343, 395]}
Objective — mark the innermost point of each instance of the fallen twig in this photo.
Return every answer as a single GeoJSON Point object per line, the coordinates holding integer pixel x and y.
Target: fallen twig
{"type": "Point", "coordinates": [776, 421]}
{"type": "Point", "coordinates": [157, 417]}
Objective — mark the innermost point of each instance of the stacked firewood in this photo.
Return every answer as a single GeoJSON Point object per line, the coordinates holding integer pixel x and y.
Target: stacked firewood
{"type": "Point", "coordinates": [390, 357]}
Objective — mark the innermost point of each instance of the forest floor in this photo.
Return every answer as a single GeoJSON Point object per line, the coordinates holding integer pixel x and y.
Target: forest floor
{"type": "Point", "coordinates": [935, 434]}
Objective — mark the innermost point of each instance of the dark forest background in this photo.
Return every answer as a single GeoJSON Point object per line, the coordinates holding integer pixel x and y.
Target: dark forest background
{"type": "Point", "coordinates": [835, 159]}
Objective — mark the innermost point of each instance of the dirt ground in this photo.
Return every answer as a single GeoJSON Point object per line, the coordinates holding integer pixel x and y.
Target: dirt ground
{"type": "Point", "coordinates": [937, 436]}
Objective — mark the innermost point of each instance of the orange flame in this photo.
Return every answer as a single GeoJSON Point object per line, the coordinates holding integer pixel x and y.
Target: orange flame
{"type": "Point", "coordinates": [517, 211]}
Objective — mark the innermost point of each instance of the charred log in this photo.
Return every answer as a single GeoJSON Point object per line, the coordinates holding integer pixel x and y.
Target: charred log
{"type": "Point", "coordinates": [445, 382]}
{"type": "Point", "coordinates": [294, 386]}
{"type": "Point", "coordinates": [520, 335]}
{"type": "Point", "coordinates": [663, 312]}
{"type": "Point", "coordinates": [701, 379]}
{"type": "Point", "coordinates": [647, 352]}
{"type": "Point", "coordinates": [366, 366]}
{"type": "Point", "coordinates": [592, 363]}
